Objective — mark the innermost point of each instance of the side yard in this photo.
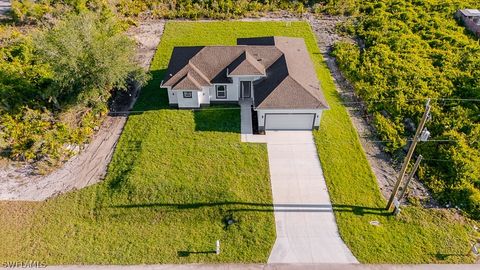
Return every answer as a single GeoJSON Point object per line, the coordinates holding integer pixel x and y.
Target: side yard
{"type": "Point", "coordinates": [417, 235]}
{"type": "Point", "coordinates": [177, 176]}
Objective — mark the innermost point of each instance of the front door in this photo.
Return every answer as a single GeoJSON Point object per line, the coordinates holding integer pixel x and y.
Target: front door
{"type": "Point", "coordinates": [245, 89]}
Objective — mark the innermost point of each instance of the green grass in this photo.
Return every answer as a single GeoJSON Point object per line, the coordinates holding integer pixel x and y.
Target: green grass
{"type": "Point", "coordinates": [177, 174]}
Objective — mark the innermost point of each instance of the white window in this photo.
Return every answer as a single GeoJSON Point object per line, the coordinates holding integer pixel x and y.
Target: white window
{"type": "Point", "coordinates": [221, 91]}
{"type": "Point", "coordinates": [187, 94]}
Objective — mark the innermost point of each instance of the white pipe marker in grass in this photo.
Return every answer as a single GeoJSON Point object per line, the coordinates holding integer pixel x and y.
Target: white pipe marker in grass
{"type": "Point", "coordinates": [217, 249]}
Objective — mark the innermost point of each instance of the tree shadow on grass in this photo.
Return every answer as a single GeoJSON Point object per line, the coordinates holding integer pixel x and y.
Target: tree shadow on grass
{"type": "Point", "coordinates": [118, 179]}
{"type": "Point", "coordinates": [185, 253]}
{"type": "Point", "coordinates": [443, 256]}
{"type": "Point", "coordinates": [263, 207]}
{"type": "Point", "coordinates": [152, 97]}
{"type": "Point", "coordinates": [218, 118]}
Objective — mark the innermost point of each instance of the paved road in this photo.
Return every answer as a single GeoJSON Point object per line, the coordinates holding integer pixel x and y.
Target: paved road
{"type": "Point", "coordinates": [305, 224]}
{"type": "Point", "coordinates": [270, 267]}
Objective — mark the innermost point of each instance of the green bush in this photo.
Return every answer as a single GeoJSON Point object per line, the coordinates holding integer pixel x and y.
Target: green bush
{"type": "Point", "coordinates": [388, 132]}
{"type": "Point", "coordinates": [54, 87]}
{"type": "Point", "coordinates": [34, 11]}
{"type": "Point", "coordinates": [336, 7]}
{"type": "Point", "coordinates": [414, 50]}
{"type": "Point", "coordinates": [36, 135]}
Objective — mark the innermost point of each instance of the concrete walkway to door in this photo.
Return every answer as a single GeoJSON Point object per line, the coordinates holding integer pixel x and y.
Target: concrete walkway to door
{"type": "Point", "coordinates": [246, 133]}
{"type": "Point", "coordinates": [304, 220]}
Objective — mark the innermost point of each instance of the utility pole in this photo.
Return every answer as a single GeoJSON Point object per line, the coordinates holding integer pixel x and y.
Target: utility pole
{"type": "Point", "coordinates": [410, 176]}
{"type": "Point", "coordinates": [409, 154]}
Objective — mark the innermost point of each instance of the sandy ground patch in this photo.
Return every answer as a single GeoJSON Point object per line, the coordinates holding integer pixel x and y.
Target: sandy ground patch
{"type": "Point", "coordinates": [90, 165]}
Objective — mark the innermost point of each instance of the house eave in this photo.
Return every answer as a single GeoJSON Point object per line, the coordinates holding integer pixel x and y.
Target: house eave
{"type": "Point", "coordinates": [244, 76]}
{"type": "Point", "coordinates": [260, 107]}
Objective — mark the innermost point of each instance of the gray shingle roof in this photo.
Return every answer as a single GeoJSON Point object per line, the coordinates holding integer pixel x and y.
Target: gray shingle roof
{"type": "Point", "coordinates": [470, 12]}
{"type": "Point", "coordinates": [290, 83]}
{"type": "Point", "coordinates": [187, 82]}
{"type": "Point", "coordinates": [246, 64]}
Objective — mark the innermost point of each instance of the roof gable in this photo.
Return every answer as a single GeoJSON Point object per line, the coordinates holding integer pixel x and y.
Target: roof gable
{"type": "Point", "coordinates": [289, 94]}
{"type": "Point", "coordinates": [246, 64]}
{"type": "Point", "coordinates": [190, 69]}
{"type": "Point", "coordinates": [187, 82]}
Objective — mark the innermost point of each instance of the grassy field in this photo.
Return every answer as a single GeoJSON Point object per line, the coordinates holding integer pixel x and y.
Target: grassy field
{"type": "Point", "coordinates": [177, 175]}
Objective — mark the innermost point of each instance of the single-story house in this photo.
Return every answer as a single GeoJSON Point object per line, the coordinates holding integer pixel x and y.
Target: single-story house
{"type": "Point", "coordinates": [276, 73]}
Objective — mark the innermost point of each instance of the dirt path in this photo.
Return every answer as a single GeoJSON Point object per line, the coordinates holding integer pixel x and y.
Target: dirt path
{"type": "Point", "coordinates": [90, 165]}
{"type": "Point", "coordinates": [381, 163]}
{"type": "Point", "coordinates": [84, 169]}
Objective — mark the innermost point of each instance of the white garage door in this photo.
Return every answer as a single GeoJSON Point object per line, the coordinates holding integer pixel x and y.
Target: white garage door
{"type": "Point", "coordinates": [289, 121]}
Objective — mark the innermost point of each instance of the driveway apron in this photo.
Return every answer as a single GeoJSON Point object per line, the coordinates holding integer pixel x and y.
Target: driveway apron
{"type": "Point", "coordinates": [304, 220]}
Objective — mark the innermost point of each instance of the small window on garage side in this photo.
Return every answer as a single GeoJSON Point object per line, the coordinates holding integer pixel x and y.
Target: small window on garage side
{"type": "Point", "coordinates": [187, 94]}
{"type": "Point", "coordinates": [221, 91]}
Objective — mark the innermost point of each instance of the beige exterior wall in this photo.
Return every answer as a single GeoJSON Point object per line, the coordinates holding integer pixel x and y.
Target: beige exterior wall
{"type": "Point", "coordinates": [193, 102]}
{"type": "Point", "coordinates": [232, 92]}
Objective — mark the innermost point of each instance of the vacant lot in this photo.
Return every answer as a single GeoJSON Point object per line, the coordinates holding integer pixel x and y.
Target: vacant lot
{"type": "Point", "coordinates": [177, 175]}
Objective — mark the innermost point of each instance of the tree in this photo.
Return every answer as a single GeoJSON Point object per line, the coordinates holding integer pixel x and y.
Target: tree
{"type": "Point", "coordinates": [89, 56]}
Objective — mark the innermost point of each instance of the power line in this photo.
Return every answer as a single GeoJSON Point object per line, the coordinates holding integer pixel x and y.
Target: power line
{"type": "Point", "coordinates": [408, 100]}
{"type": "Point", "coordinates": [434, 159]}
{"type": "Point", "coordinates": [340, 103]}
{"type": "Point", "coordinates": [409, 140]}
{"type": "Point", "coordinates": [391, 100]}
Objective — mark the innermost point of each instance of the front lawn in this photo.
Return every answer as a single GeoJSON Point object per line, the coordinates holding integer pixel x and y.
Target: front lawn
{"type": "Point", "coordinates": [173, 182]}
{"type": "Point", "coordinates": [176, 175]}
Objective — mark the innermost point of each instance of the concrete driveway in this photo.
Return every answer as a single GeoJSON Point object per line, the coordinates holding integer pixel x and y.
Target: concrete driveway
{"type": "Point", "coordinates": [305, 224]}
